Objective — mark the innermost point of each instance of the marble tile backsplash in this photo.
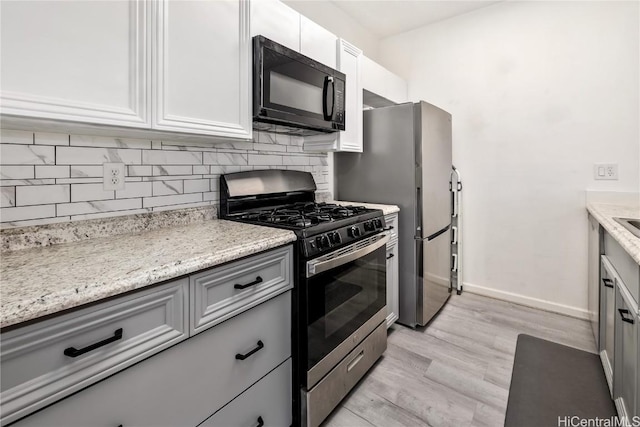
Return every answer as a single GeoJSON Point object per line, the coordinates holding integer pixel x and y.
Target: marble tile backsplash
{"type": "Point", "coordinates": [48, 178]}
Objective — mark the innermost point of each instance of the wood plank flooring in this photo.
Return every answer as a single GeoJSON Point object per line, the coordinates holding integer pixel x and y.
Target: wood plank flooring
{"type": "Point", "coordinates": [456, 371]}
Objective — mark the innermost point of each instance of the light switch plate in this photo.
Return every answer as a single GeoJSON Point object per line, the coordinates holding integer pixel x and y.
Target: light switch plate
{"type": "Point", "coordinates": [605, 171]}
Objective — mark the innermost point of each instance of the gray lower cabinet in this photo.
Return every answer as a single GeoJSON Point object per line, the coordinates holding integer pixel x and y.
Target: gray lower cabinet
{"type": "Point", "coordinates": [626, 355]}
{"type": "Point", "coordinates": [393, 292]}
{"type": "Point", "coordinates": [607, 319]}
{"type": "Point", "coordinates": [184, 385]}
{"type": "Point", "coordinates": [267, 403]}
{"type": "Point", "coordinates": [170, 355]}
{"type": "Point", "coordinates": [43, 362]}
{"type": "Point", "coordinates": [393, 297]}
{"type": "Point", "coordinates": [594, 285]}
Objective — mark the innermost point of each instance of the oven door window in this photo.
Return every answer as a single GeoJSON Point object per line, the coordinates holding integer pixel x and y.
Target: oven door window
{"type": "Point", "coordinates": [341, 300]}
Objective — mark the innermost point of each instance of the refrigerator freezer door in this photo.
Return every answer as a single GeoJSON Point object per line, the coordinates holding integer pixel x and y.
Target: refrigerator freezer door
{"type": "Point", "coordinates": [433, 173]}
{"type": "Point", "coordinates": [434, 274]}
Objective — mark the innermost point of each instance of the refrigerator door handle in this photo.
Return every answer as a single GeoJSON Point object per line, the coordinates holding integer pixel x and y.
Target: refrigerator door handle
{"type": "Point", "coordinates": [418, 234]}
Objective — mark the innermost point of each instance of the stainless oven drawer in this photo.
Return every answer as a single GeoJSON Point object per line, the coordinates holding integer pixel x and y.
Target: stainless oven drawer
{"type": "Point", "coordinates": [325, 396]}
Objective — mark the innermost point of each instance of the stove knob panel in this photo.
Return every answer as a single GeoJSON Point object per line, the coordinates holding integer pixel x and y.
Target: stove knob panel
{"type": "Point", "coordinates": [323, 241]}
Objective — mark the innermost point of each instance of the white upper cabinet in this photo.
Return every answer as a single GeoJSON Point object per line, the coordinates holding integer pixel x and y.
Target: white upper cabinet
{"type": "Point", "coordinates": [83, 61]}
{"type": "Point", "coordinates": [382, 82]}
{"type": "Point", "coordinates": [202, 63]}
{"type": "Point", "coordinates": [276, 21]}
{"type": "Point", "coordinates": [349, 60]}
{"type": "Point", "coordinates": [317, 43]}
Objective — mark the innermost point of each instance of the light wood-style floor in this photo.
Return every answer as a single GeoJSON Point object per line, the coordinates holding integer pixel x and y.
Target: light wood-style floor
{"type": "Point", "coordinates": [457, 370]}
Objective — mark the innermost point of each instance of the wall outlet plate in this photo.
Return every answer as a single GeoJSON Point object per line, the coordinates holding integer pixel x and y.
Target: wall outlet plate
{"type": "Point", "coordinates": [605, 171]}
{"type": "Point", "coordinates": [113, 176]}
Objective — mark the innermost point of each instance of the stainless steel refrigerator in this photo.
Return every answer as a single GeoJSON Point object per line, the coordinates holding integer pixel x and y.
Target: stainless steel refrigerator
{"type": "Point", "coordinates": [407, 162]}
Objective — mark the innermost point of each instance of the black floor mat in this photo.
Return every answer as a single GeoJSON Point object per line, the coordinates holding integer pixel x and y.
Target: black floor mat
{"type": "Point", "coordinates": [551, 380]}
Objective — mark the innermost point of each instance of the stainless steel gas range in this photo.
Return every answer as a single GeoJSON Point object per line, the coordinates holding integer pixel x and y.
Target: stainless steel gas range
{"type": "Point", "coordinates": [339, 301]}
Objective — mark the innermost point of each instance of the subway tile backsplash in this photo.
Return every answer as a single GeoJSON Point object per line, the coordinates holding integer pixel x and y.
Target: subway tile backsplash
{"type": "Point", "coordinates": [49, 177]}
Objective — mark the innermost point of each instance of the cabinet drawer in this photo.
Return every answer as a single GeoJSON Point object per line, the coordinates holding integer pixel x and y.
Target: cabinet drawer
{"type": "Point", "coordinates": [391, 221]}
{"type": "Point", "coordinates": [625, 266]}
{"type": "Point", "coordinates": [267, 401]}
{"type": "Point", "coordinates": [186, 383]}
{"type": "Point", "coordinates": [39, 364]}
{"type": "Point", "coordinates": [218, 294]}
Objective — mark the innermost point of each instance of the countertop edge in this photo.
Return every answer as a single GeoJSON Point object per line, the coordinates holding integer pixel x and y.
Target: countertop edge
{"type": "Point", "coordinates": [386, 209]}
{"type": "Point", "coordinates": [32, 309]}
{"type": "Point", "coordinates": [626, 239]}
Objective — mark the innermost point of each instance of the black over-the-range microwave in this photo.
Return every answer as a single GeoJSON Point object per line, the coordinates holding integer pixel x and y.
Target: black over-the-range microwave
{"type": "Point", "coordinates": [294, 94]}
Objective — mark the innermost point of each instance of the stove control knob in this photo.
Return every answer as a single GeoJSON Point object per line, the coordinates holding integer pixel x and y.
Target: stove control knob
{"type": "Point", "coordinates": [378, 223]}
{"type": "Point", "coordinates": [323, 241]}
{"type": "Point", "coordinates": [354, 231]}
{"type": "Point", "coordinates": [335, 238]}
{"type": "Point", "coordinates": [369, 226]}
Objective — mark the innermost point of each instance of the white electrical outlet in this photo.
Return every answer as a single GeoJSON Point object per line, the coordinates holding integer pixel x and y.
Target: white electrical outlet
{"type": "Point", "coordinates": [113, 176]}
{"type": "Point", "coordinates": [605, 171]}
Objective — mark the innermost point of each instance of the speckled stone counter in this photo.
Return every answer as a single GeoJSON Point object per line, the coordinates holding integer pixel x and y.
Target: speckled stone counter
{"type": "Point", "coordinates": [66, 232]}
{"type": "Point", "coordinates": [604, 214]}
{"type": "Point", "coordinates": [46, 280]}
{"type": "Point", "coordinates": [386, 209]}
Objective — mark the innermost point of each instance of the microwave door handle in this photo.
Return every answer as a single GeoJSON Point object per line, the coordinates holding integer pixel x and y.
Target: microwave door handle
{"type": "Point", "coordinates": [325, 94]}
{"type": "Point", "coordinates": [319, 265]}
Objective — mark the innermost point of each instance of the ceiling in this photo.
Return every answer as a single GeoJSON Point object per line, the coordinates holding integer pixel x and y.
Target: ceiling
{"type": "Point", "coordinates": [385, 18]}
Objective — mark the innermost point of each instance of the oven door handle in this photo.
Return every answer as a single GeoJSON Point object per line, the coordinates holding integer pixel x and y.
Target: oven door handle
{"type": "Point", "coordinates": [317, 265]}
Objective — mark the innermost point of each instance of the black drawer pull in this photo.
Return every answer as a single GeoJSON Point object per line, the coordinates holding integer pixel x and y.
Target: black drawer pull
{"type": "Point", "coordinates": [259, 347]}
{"type": "Point", "coordinates": [260, 422]}
{"type": "Point", "coordinates": [74, 352]}
{"type": "Point", "coordinates": [388, 228]}
{"type": "Point", "coordinates": [390, 256]}
{"type": "Point", "coordinates": [255, 282]}
{"type": "Point", "coordinates": [608, 283]}
{"type": "Point", "coordinates": [622, 312]}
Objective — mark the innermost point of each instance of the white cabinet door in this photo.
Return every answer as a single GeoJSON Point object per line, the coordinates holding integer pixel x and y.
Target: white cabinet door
{"type": "Point", "coordinates": [202, 67]}
{"type": "Point", "coordinates": [317, 43]}
{"type": "Point", "coordinates": [276, 21]}
{"type": "Point", "coordinates": [393, 301]}
{"type": "Point", "coordinates": [349, 59]}
{"type": "Point", "coordinates": [349, 62]}
{"type": "Point", "coordinates": [83, 61]}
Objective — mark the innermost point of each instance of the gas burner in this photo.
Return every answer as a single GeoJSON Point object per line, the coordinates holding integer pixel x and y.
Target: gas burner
{"type": "Point", "coordinates": [301, 221]}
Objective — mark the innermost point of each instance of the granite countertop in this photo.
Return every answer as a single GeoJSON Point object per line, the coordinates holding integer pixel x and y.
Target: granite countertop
{"type": "Point", "coordinates": [386, 209]}
{"type": "Point", "coordinates": [46, 280]}
{"type": "Point", "coordinates": [604, 214]}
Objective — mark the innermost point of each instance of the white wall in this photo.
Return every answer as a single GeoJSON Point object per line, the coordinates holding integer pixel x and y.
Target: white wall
{"type": "Point", "coordinates": [539, 92]}
{"type": "Point", "coordinates": [337, 21]}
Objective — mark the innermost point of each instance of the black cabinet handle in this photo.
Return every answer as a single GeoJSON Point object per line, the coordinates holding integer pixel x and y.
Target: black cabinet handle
{"type": "Point", "coordinates": [390, 256]}
{"type": "Point", "coordinates": [74, 352]}
{"type": "Point", "coordinates": [608, 283]}
{"type": "Point", "coordinates": [260, 422]}
{"type": "Point", "coordinates": [388, 228]}
{"type": "Point", "coordinates": [259, 347]}
{"type": "Point", "coordinates": [255, 282]}
{"type": "Point", "coordinates": [622, 312]}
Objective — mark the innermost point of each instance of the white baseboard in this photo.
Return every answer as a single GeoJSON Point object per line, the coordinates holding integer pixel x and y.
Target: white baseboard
{"type": "Point", "coordinates": [567, 310]}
